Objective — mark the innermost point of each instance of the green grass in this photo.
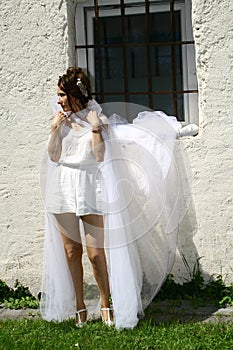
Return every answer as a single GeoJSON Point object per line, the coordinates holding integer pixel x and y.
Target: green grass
{"type": "Point", "coordinates": [41, 335]}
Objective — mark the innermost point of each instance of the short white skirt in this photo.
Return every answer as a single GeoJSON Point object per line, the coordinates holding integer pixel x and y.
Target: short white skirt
{"type": "Point", "coordinates": [73, 189]}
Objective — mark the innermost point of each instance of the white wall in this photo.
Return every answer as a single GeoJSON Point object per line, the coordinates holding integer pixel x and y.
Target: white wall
{"type": "Point", "coordinates": [36, 46]}
{"type": "Point", "coordinates": [34, 52]}
{"type": "Point", "coordinates": [210, 153]}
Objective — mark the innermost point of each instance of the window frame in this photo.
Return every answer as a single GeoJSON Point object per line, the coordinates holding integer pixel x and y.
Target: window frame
{"type": "Point", "coordinates": [85, 39]}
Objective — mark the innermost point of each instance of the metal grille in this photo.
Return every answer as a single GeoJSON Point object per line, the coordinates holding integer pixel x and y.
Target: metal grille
{"type": "Point", "coordinates": [102, 45]}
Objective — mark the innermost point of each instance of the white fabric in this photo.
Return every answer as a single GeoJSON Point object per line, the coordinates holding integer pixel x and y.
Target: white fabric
{"type": "Point", "coordinates": [58, 300]}
{"type": "Point", "coordinates": [75, 185]}
{"type": "Point", "coordinates": [142, 202]}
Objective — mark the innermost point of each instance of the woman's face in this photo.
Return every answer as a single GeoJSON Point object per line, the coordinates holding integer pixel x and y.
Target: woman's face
{"type": "Point", "coordinates": [63, 100]}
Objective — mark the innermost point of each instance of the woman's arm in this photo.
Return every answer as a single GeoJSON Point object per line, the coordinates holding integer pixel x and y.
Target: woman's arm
{"type": "Point", "coordinates": [98, 146]}
{"type": "Point", "coordinates": [55, 141]}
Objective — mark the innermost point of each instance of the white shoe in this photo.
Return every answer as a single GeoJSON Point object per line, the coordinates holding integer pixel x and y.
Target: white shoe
{"type": "Point", "coordinates": [108, 322]}
{"type": "Point", "coordinates": [188, 130]}
{"type": "Point", "coordinates": [80, 323]}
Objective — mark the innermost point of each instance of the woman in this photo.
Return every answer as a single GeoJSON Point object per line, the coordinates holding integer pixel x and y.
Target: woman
{"type": "Point", "coordinates": [122, 182]}
{"type": "Point", "coordinates": [77, 157]}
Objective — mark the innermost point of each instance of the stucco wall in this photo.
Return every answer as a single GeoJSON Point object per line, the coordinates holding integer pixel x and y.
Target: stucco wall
{"type": "Point", "coordinates": [211, 152]}
{"type": "Point", "coordinates": [36, 46]}
{"type": "Point", "coordinates": [34, 52]}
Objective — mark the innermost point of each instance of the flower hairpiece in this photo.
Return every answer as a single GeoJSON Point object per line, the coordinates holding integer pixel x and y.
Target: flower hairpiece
{"type": "Point", "coordinates": [82, 87]}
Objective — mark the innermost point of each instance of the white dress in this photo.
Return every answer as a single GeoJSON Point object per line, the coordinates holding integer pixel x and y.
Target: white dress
{"type": "Point", "coordinates": [75, 186]}
{"type": "Point", "coordinates": [143, 204]}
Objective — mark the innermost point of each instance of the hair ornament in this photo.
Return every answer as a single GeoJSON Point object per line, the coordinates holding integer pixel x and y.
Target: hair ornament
{"type": "Point", "coordinates": [82, 87]}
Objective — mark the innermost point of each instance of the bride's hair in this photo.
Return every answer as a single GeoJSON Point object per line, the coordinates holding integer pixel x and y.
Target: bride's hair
{"type": "Point", "coordinates": [76, 85]}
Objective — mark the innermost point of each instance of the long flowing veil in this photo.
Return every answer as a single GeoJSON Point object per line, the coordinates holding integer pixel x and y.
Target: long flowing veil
{"type": "Point", "coordinates": [143, 204]}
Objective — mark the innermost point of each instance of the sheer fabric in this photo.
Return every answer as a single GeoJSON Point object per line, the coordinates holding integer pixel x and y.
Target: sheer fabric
{"type": "Point", "coordinates": [143, 204]}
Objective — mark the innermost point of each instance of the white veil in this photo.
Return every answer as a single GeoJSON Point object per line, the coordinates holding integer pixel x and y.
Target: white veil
{"type": "Point", "coordinates": [143, 203]}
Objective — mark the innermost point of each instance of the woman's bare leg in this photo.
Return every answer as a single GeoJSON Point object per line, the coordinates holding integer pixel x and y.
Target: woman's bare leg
{"type": "Point", "coordinates": [94, 231]}
{"type": "Point", "coordinates": [69, 228]}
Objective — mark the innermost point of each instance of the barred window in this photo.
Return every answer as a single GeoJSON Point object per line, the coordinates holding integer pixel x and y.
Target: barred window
{"type": "Point", "coordinates": [140, 52]}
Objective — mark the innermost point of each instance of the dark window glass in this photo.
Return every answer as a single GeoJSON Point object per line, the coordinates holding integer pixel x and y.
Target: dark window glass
{"type": "Point", "coordinates": [164, 59]}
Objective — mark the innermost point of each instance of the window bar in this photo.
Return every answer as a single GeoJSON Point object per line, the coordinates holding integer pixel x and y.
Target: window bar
{"type": "Point", "coordinates": [148, 52]}
{"type": "Point", "coordinates": [172, 21]}
{"type": "Point", "coordinates": [132, 70]}
{"type": "Point", "coordinates": [125, 67]}
{"type": "Point", "coordinates": [106, 49]}
{"type": "Point", "coordinates": [86, 43]}
{"type": "Point", "coordinates": [153, 92]}
{"type": "Point", "coordinates": [100, 65]}
{"type": "Point", "coordinates": [176, 43]}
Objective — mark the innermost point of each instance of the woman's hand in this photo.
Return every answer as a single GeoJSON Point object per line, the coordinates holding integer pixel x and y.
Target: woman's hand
{"type": "Point", "coordinates": [93, 119]}
{"type": "Point", "coordinates": [58, 120]}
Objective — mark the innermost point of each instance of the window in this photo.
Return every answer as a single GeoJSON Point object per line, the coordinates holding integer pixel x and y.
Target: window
{"type": "Point", "coordinates": [140, 52]}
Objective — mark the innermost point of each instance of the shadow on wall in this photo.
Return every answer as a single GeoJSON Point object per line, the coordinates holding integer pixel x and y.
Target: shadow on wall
{"type": "Point", "coordinates": [187, 258]}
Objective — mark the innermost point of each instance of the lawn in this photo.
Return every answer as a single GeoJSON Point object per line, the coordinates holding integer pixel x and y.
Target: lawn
{"type": "Point", "coordinates": [40, 335]}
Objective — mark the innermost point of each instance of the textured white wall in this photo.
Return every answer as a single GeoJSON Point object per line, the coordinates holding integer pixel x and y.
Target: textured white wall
{"type": "Point", "coordinates": [210, 153]}
{"type": "Point", "coordinates": [36, 46]}
{"type": "Point", "coordinates": [34, 51]}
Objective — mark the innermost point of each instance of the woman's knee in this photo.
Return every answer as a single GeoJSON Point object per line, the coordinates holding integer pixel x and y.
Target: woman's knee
{"type": "Point", "coordinates": [74, 252]}
{"type": "Point", "coordinates": [96, 256]}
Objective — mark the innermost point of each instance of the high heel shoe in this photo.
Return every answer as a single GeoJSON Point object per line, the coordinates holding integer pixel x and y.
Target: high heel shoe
{"type": "Point", "coordinates": [80, 323]}
{"type": "Point", "coordinates": [108, 321]}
